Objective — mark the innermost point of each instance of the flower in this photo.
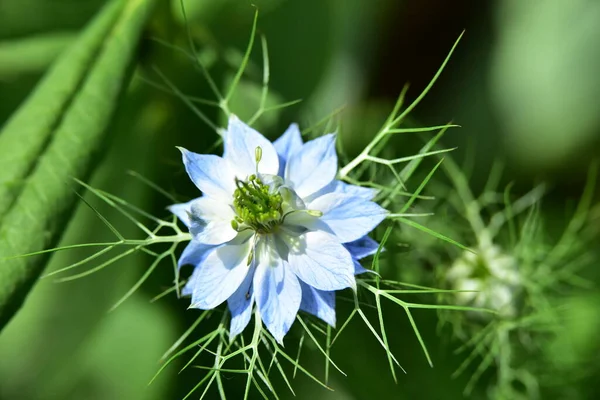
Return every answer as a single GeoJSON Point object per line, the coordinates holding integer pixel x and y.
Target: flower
{"type": "Point", "coordinates": [274, 228]}
{"type": "Point", "coordinates": [489, 279]}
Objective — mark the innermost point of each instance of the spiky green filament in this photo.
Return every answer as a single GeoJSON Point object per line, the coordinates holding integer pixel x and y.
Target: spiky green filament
{"type": "Point", "coordinates": [256, 206]}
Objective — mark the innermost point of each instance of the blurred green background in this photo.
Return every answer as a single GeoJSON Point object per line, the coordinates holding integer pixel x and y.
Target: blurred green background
{"type": "Point", "coordinates": [523, 84]}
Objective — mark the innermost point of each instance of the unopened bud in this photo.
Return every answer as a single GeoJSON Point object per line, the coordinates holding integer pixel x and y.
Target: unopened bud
{"type": "Point", "coordinates": [258, 154]}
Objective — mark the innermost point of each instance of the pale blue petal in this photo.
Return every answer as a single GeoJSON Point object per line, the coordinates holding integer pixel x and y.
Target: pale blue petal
{"type": "Point", "coordinates": [319, 303]}
{"type": "Point", "coordinates": [278, 296]}
{"type": "Point", "coordinates": [288, 144]}
{"type": "Point", "coordinates": [188, 289]}
{"type": "Point", "coordinates": [342, 187]}
{"type": "Point", "coordinates": [363, 247]}
{"type": "Point", "coordinates": [314, 166]}
{"type": "Point", "coordinates": [210, 173]}
{"type": "Point", "coordinates": [220, 275]}
{"type": "Point", "coordinates": [365, 193]}
{"type": "Point", "coordinates": [240, 143]}
{"type": "Point", "coordinates": [240, 305]}
{"type": "Point", "coordinates": [349, 217]}
{"type": "Point", "coordinates": [182, 211]}
{"type": "Point", "coordinates": [321, 261]}
{"type": "Point", "coordinates": [211, 221]}
{"type": "Point", "coordinates": [194, 253]}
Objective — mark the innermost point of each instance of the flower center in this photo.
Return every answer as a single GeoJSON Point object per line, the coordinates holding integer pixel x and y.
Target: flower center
{"type": "Point", "coordinates": [257, 208]}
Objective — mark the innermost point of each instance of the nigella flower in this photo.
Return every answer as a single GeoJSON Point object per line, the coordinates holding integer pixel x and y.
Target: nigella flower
{"type": "Point", "coordinates": [274, 228]}
{"type": "Point", "coordinates": [488, 279]}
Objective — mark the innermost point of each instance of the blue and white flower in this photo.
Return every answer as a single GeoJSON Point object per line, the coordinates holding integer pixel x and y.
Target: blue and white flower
{"type": "Point", "coordinates": [274, 228]}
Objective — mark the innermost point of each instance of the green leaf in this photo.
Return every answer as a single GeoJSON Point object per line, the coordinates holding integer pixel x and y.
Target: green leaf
{"type": "Point", "coordinates": [53, 138]}
{"type": "Point", "coordinates": [32, 54]}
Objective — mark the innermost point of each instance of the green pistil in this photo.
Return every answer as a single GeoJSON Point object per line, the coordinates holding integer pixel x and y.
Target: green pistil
{"type": "Point", "coordinates": [256, 207]}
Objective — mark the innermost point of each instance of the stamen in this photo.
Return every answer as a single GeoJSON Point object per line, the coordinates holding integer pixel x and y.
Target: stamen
{"type": "Point", "coordinates": [256, 206]}
{"type": "Point", "coordinates": [258, 154]}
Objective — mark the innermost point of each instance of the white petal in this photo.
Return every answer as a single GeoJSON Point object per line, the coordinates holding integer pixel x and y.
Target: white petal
{"type": "Point", "coordinates": [220, 275]}
{"type": "Point", "coordinates": [277, 292]}
{"type": "Point", "coordinates": [210, 173]}
{"type": "Point", "coordinates": [304, 219]}
{"type": "Point", "coordinates": [240, 143]}
{"type": "Point", "coordinates": [313, 167]}
{"type": "Point", "coordinates": [291, 201]}
{"type": "Point", "coordinates": [349, 217]}
{"type": "Point", "coordinates": [321, 261]}
{"type": "Point", "coordinates": [182, 211]}
{"type": "Point", "coordinates": [211, 221]}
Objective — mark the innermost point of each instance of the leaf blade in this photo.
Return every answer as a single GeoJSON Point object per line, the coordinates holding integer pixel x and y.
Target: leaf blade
{"type": "Point", "coordinates": [65, 140]}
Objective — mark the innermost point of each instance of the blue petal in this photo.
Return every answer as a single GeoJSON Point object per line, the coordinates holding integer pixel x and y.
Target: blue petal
{"type": "Point", "coordinates": [359, 269]}
{"type": "Point", "coordinates": [318, 259]}
{"type": "Point", "coordinates": [210, 173]}
{"type": "Point", "coordinates": [182, 211]}
{"type": "Point", "coordinates": [318, 303]}
{"type": "Point", "coordinates": [314, 166]}
{"type": "Point", "coordinates": [278, 296]}
{"type": "Point", "coordinates": [349, 217]}
{"type": "Point", "coordinates": [194, 253]}
{"type": "Point", "coordinates": [240, 143]}
{"type": "Point", "coordinates": [240, 305]}
{"type": "Point", "coordinates": [220, 275]}
{"type": "Point", "coordinates": [288, 144]}
{"type": "Point", "coordinates": [363, 247]}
